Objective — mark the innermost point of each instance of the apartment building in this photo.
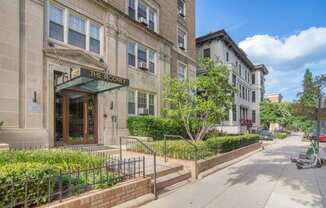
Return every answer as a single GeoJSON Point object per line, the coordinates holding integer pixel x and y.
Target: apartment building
{"type": "Point", "coordinates": [274, 98]}
{"type": "Point", "coordinates": [244, 75]}
{"type": "Point", "coordinates": [73, 71]}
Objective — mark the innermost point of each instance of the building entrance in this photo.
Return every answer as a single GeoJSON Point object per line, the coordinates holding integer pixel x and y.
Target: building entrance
{"type": "Point", "coordinates": [76, 118]}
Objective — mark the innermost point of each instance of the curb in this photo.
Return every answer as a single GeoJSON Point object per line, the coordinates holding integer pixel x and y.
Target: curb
{"type": "Point", "coordinates": [137, 202]}
{"type": "Point", "coordinates": [227, 164]}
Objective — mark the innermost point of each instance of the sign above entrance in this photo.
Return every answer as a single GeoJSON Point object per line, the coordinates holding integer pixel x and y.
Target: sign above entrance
{"type": "Point", "coordinates": [90, 81]}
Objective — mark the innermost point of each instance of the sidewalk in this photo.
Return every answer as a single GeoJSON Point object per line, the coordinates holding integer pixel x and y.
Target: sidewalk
{"type": "Point", "coordinates": [266, 179]}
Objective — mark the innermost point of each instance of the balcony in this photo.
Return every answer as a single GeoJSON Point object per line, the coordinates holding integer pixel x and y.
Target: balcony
{"type": "Point", "coordinates": [246, 122]}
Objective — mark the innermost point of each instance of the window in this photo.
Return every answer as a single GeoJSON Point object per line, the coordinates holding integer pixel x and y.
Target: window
{"type": "Point", "coordinates": [182, 8]}
{"type": "Point", "coordinates": [182, 71]}
{"type": "Point", "coordinates": [56, 23]}
{"type": "Point", "coordinates": [151, 21]}
{"type": "Point", "coordinates": [253, 116]}
{"type": "Point", "coordinates": [146, 58]}
{"type": "Point", "coordinates": [253, 97]}
{"type": "Point", "coordinates": [243, 92]}
{"type": "Point", "coordinates": [181, 39]}
{"type": "Point", "coordinates": [240, 71]}
{"type": "Point", "coordinates": [261, 80]}
{"type": "Point", "coordinates": [151, 61]}
{"type": "Point", "coordinates": [132, 9]}
{"type": "Point", "coordinates": [142, 55]}
{"type": "Point", "coordinates": [142, 12]}
{"type": "Point", "coordinates": [234, 112]}
{"type": "Point", "coordinates": [131, 54]}
{"type": "Point", "coordinates": [253, 79]}
{"type": "Point", "coordinates": [131, 103]}
{"type": "Point", "coordinates": [141, 103]}
{"type": "Point", "coordinates": [77, 31]}
{"type": "Point", "coordinates": [234, 80]}
{"type": "Point", "coordinates": [151, 108]}
{"type": "Point", "coordinates": [94, 38]}
{"type": "Point", "coordinates": [262, 96]}
{"type": "Point", "coordinates": [227, 56]}
{"type": "Point", "coordinates": [207, 53]}
{"type": "Point", "coordinates": [142, 100]}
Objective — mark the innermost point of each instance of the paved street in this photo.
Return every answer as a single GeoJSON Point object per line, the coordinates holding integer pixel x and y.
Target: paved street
{"type": "Point", "coordinates": [266, 179]}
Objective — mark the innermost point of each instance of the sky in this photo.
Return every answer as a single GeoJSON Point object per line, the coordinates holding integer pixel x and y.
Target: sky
{"type": "Point", "coordinates": [288, 36]}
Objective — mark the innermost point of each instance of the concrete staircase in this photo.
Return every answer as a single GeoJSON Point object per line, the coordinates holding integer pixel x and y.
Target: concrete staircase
{"type": "Point", "coordinates": [171, 177]}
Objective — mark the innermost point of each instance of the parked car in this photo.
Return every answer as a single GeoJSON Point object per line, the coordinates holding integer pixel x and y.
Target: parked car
{"type": "Point", "coordinates": [322, 138]}
{"type": "Point", "coordinates": [265, 135]}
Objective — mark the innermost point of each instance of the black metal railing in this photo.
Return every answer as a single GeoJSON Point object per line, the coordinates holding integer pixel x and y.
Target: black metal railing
{"type": "Point", "coordinates": [42, 189]}
{"type": "Point", "coordinates": [130, 143]}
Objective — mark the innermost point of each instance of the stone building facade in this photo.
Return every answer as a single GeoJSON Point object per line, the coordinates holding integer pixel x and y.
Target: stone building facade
{"type": "Point", "coordinates": [244, 75]}
{"type": "Point", "coordinates": [72, 71]}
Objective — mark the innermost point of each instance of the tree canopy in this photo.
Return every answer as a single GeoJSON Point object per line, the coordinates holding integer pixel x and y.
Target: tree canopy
{"type": "Point", "coordinates": [201, 103]}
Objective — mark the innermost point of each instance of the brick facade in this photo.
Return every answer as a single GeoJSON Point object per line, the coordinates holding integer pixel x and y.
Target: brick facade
{"type": "Point", "coordinates": [108, 197]}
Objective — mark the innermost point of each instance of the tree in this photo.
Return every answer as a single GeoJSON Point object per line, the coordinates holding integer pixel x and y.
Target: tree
{"type": "Point", "coordinates": [308, 98]}
{"type": "Point", "coordinates": [202, 103]}
{"type": "Point", "coordinates": [275, 113]}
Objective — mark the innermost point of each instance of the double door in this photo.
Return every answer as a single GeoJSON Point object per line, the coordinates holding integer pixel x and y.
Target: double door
{"type": "Point", "coordinates": [76, 118]}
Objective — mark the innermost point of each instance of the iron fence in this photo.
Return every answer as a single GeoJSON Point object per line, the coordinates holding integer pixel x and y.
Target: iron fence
{"type": "Point", "coordinates": [34, 191]}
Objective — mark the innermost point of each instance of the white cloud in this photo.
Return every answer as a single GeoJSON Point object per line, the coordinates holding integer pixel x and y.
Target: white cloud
{"type": "Point", "coordinates": [288, 57]}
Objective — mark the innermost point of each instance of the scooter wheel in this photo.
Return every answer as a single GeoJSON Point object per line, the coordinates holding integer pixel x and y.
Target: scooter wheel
{"type": "Point", "coordinates": [319, 164]}
{"type": "Point", "coordinates": [299, 167]}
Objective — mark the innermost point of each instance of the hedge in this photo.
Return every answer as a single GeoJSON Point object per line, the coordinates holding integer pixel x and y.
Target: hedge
{"type": "Point", "coordinates": [228, 143]}
{"type": "Point", "coordinates": [34, 168]}
{"type": "Point", "coordinates": [155, 127]}
{"type": "Point", "coordinates": [182, 150]}
{"type": "Point", "coordinates": [280, 135]}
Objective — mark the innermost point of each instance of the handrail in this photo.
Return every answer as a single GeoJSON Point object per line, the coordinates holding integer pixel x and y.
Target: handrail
{"type": "Point", "coordinates": [151, 152]}
{"type": "Point", "coordinates": [187, 141]}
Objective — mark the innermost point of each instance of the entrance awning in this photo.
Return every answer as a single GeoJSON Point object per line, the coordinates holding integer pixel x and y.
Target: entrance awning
{"type": "Point", "coordinates": [89, 81]}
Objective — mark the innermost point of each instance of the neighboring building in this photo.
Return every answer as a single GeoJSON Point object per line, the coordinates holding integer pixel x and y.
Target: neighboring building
{"type": "Point", "coordinates": [66, 66]}
{"type": "Point", "coordinates": [274, 98]}
{"type": "Point", "coordinates": [247, 77]}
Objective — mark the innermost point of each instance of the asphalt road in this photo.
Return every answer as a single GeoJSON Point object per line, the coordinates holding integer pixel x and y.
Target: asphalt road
{"type": "Point", "coordinates": [266, 179]}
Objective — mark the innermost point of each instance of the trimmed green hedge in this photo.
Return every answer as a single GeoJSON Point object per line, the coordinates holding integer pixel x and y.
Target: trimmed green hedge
{"type": "Point", "coordinates": [182, 150]}
{"type": "Point", "coordinates": [155, 127]}
{"type": "Point", "coordinates": [228, 143]}
{"type": "Point", "coordinates": [34, 168]}
{"type": "Point", "coordinates": [280, 135]}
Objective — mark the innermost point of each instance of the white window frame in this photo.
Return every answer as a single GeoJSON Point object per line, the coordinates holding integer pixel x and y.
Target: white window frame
{"type": "Point", "coordinates": [185, 73]}
{"type": "Point", "coordinates": [185, 37]}
{"type": "Point", "coordinates": [147, 57]}
{"type": "Point", "coordinates": [66, 13]}
{"type": "Point", "coordinates": [148, 8]}
{"type": "Point", "coordinates": [136, 92]}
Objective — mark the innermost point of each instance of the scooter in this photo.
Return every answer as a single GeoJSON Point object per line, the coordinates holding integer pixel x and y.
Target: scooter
{"type": "Point", "coordinates": [310, 159]}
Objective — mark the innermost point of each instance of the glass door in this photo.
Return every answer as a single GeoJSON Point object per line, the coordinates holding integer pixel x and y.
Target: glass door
{"type": "Point", "coordinates": [76, 118]}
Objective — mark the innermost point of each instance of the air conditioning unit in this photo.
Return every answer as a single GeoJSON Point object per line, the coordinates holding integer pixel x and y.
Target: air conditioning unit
{"type": "Point", "coordinates": [181, 46]}
{"type": "Point", "coordinates": [143, 111]}
{"type": "Point", "coordinates": [142, 20]}
{"type": "Point", "coordinates": [142, 65]}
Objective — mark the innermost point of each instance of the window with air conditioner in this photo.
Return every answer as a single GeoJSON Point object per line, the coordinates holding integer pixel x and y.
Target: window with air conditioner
{"type": "Point", "coordinates": [142, 58]}
{"type": "Point", "coordinates": [77, 31]}
{"type": "Point", "coordinates": [182, 8]}
{"type": "Point", "coordinates": [142, 13]}
{"type": "Point", "coordinates": [56, 26]}
{"type": "Point", "coordinates": [182, 41]}
{"type": "Point", "coordinates": [141, 103]}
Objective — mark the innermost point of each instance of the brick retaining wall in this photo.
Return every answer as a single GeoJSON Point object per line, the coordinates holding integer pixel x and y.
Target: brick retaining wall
{"type": "Point", "coordinates": [203, 165]}
{"type": "Point", "coordinates": [107, 197]}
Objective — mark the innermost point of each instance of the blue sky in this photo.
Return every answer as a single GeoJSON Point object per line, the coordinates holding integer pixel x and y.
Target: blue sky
{"type": "Point", "coordinates": [287, 36]}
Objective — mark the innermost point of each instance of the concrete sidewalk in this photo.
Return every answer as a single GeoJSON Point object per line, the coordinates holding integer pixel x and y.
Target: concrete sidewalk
{"type": "Point", "coordinates": [267, 179]}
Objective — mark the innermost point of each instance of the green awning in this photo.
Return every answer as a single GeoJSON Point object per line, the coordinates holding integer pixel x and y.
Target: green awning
{"type": "Point", "coordinates": [89, 81]}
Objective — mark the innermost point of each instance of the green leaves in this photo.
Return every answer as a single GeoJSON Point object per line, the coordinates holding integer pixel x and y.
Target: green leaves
{"type": "Point", "coordinates": [275, 113]}
{"type": "Point", "coordinates": [206, 99]}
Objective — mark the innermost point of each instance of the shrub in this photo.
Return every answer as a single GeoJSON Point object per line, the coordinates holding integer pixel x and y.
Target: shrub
{"type": "Point", "coordinates": [178, 149]}
{"type": "Point", "coordinates": [228, 143]}
{"type": "Point", "coordinates": [34, 169]}
{"type": "Point", "coordinates": [155, 127]}
{"type": "Point", "coordinates": [280, 135]}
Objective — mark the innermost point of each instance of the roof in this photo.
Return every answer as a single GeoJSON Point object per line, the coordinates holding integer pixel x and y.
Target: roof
{"type": "Point", "coordinates": [222, 35]}
{"type": "Point", "coordinates": [262, 67]}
